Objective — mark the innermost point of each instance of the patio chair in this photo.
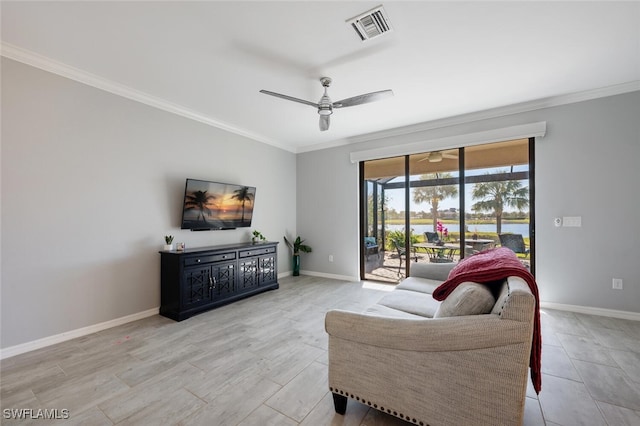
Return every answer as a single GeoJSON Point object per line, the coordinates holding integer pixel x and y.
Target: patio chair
{"type": "Point", "coordinates": [402, 252]}
{"type": "Point", "coordinates": [515, 242]}
{"type": "Point", "coordinates": [431, 237]}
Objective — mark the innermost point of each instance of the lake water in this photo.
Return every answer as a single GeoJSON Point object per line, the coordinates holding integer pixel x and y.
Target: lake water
{"type": "Point", "coordinates": [514, 228]}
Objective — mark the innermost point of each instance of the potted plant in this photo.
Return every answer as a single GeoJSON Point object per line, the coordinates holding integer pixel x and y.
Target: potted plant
{"type": "Point", "coordinates": [297, 246]}
{"type": "Point", "coordinates": [257, 237]}
{"type": "Point", "coordinates": [168, 239]}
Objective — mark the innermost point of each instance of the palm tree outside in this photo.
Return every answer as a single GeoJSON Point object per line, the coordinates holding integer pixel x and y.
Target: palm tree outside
{"type": "Point", "coordinates": [497, 195]}
{"type": "Point", "coordinates": [434, 194]}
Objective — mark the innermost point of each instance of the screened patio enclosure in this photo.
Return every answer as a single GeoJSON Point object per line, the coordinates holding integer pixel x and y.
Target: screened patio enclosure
{"type": "Point", "coordinates": [454, 203]}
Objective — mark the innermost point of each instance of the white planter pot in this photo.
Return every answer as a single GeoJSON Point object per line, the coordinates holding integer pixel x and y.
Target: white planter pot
{"type": "Point", "coordinates": [168, 247]}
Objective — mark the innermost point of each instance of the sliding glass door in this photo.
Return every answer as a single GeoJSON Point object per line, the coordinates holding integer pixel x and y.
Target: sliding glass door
{"type": "Point", "coordinates": [442, 206]}
{"type": "Point", "coordinates": [434, 215]}
{"type": "Point", "coordinates": [497, 194]}
{"type": "Point", "coordinates": [382, 214]}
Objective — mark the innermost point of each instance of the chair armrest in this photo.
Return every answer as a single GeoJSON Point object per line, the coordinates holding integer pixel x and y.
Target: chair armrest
{"type": "Point", "coordinates": [426, 335]}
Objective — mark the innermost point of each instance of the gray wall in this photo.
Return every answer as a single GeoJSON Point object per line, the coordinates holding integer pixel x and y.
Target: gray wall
{"type": "Point", "coordinates": [328, 212]}
{"type": "Point", "coordinates": [587, 165]}
{"type": "Point", "coordinates": [91, 183]}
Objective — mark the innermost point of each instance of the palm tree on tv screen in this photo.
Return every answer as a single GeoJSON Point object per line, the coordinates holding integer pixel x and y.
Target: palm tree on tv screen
{"type": "Point", "coordinates": [198, 200]}
{"type": "Point", "coordinates": [243, 194]}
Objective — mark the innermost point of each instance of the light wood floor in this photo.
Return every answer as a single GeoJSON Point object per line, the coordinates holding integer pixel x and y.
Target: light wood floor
{"type": "Point", "coordinates": [263, 361]}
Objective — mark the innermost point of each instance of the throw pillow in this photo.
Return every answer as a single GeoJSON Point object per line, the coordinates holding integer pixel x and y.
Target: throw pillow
{"type": "Point", "coordinates": [468, 298]}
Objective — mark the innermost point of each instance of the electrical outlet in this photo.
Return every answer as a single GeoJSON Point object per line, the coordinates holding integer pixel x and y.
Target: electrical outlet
{"type": "Point", "coordinates": [617, 284]}
{"type": "Point", "coordinates": [330, 258]}
{"type": "Point", "coordinates": [557, 222]}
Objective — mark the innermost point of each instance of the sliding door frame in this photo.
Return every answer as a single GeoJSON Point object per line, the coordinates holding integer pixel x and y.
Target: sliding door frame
{"type": "Point", "coordinates": [462, 181]}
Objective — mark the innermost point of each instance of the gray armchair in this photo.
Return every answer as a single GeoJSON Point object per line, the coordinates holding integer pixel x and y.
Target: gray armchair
{"type": "Point", "coordinates": [457, 370]}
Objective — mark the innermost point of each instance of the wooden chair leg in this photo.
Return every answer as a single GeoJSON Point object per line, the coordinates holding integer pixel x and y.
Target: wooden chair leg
{"type": "Point", "coordinates": [340, 403]}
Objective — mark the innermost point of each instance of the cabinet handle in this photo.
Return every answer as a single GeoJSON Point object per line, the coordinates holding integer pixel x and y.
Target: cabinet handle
{"type": "Point", "coordinates": [197, 260]}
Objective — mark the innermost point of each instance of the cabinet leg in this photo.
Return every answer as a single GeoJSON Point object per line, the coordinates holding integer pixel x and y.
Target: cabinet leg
{"type": "Point", "coordinates": [340, 403]}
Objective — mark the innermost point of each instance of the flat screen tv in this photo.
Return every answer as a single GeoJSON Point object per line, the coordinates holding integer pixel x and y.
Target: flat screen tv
{"type": "Point", "coordinates": [214, 205]}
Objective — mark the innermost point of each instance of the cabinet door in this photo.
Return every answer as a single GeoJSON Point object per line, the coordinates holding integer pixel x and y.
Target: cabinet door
{"type": "Point", "coordinates": [198, 286]}
{"type": "Point", "coordinates": [268, 270]}
{"type": "Point", "coordinates": [248, 274]}
{"type": "Point", "coordinates": [224, 280]}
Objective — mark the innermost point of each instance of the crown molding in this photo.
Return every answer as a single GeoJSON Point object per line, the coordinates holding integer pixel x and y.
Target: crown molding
{"type": "Point", "coordinates": [47, 64]}
{"type": "Point", "coordinates": [552, 101]}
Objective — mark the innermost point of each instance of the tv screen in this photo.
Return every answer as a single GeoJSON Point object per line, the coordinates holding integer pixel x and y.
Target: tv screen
{"type": "Point", "coordinates": [215, 205]}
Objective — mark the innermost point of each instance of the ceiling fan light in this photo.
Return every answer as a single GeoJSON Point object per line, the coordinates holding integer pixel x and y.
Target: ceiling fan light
{"type": "Point", "coordinates": [435, 157]}
{"type": "Point", "coordinates": [325, 111]}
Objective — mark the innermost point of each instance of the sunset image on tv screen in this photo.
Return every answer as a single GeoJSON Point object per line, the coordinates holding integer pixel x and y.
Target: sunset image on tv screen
{"type": "Point", "coordinates": [213, 205]}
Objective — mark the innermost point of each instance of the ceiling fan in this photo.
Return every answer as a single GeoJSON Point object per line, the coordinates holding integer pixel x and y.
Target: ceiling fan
{"type": "Point", "coordinates": [325, 106]}
{"type": "Point", "coordinates": [437, 156]}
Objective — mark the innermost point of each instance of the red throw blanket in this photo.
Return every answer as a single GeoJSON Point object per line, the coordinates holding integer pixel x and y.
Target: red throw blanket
{"type": "Point", "coordinates": [489, 266]}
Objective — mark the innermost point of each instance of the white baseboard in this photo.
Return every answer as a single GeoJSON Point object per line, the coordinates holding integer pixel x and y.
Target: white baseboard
{"type": "Point", "coordinates": [635, 316]}
{"type": "Point", "coordinates": [330, 276]}
{"type": "Point", "coordinates": [319, 274]}
{"type": "Point", "coordinates": [68, 335]}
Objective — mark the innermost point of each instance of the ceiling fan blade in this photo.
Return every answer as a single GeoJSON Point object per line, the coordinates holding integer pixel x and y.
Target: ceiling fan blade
{"type": "Point", "coordinates": [324, 122]}
{"type": "Point", "coordinates": [325, 106]}
{"type": "Point", "coordinates": [363, 99]}
{"type": "Point", "coordinates": [289, 98]}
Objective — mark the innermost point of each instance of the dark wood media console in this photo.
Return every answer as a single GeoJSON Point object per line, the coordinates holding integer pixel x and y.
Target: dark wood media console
{"type": "Point", "coordinates": [196, 280]}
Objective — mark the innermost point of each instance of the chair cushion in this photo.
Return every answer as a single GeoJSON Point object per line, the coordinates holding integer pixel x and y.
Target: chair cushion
{"type": "Point", "coordinates": [422, 285]}
{"type": "Point", "coordinates": [370, 241]}
{"type": "Point", "coordinates": [434, 271]}
{"type": "Point", "coordinates": [468, 298]}
{"type": "Point", "coordinates": [412, 302]}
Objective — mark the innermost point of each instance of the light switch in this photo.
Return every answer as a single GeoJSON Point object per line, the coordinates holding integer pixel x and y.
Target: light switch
{"type": "Point", "coordinates": [573, 221]}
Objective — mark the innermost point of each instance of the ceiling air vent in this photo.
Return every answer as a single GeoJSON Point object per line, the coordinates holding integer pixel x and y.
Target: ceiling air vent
{"type": "Point", "coordinates": [371, 24]}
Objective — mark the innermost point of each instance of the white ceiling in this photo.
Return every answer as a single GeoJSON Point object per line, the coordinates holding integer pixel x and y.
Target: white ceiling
{"type": "Point", "coordinates": [209, 59]}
